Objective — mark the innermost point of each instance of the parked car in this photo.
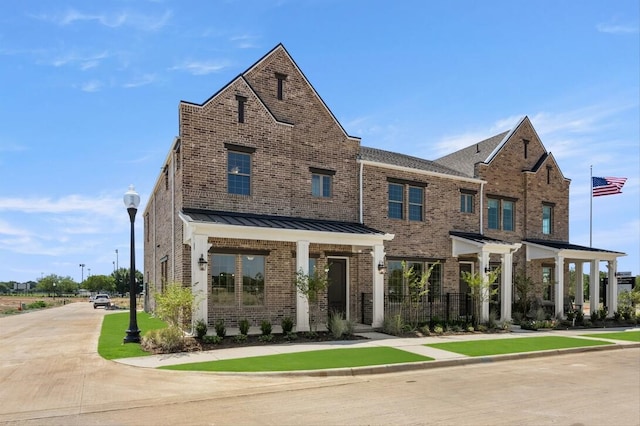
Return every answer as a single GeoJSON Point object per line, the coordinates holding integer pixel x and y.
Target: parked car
{"type": "Point", "coordinates": [101, 300]}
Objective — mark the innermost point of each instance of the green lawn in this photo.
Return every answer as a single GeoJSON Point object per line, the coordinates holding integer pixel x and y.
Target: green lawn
{"type": "Point", "coordinates": [515, 345]}
{"type": "Point", "coordinates": [313, 360]}
{"type": "Point", "coordinates": [114, 327]}
{"type": "Point", "coordinates": [631, 336]}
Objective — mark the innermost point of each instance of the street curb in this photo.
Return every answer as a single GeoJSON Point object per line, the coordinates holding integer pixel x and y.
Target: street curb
{"type": "Point", "coordinates": [426, 365]}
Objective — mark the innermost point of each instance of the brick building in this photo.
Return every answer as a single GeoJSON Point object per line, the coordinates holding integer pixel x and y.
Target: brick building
{"type": "Point", "coordinates": [263, 181]}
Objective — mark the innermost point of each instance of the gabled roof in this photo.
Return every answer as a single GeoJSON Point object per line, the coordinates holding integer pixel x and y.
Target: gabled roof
{"type": "Point", "coordinates": [464, 160]}
{"type": "Point", "coordinates": [380, 156]}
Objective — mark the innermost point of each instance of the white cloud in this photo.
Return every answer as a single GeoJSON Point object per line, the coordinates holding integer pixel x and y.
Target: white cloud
{"type": "Point", "coordinates": [101, 206]}
{"type": "Point", "coordinates": [144, 22]}
{"type": "Point", "coordinates": [614, 28]}
{"type": "Point", "coordinates": [140, 81]}
{"type": "Point", "coordinates": [91, 86]}
{"type": "Point", "coordinates": [84, 62]}
{"type": "Point", "coordinates": [201, 67]}
{"type": "Point", "coordinates": [245, 41]}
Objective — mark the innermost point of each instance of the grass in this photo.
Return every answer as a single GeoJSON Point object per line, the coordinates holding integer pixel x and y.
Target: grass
{"type": "Point", "coordinates": [114, 328]}
{"type": "Point", "coordinates": [313, 360]}
{"type": "Point", "coordinates": [631, 336]}
{"type": "Point", "coordinates": [517, 345]}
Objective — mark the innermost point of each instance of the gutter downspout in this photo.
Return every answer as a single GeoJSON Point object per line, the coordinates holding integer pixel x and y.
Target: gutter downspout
{"type": "Point", "coordinates": [482, 208]}
{"type": "Point", "coordinates": [361, 196]}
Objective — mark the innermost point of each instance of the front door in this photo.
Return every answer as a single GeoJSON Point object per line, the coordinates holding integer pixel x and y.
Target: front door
{"type": "Point", "coordinates": [337, 291]}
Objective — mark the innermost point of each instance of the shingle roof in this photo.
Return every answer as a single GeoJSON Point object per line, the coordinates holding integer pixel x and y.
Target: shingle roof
{"type": "Point", "coordinates": [464, 160]}
{"type": "Point", "coordinates": [278, 222]}
{"type": "Point", "coordinates": [402, 160]}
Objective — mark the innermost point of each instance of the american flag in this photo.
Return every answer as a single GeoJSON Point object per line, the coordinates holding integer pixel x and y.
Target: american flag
{"type": "Point", "coordinates": [607, 185]}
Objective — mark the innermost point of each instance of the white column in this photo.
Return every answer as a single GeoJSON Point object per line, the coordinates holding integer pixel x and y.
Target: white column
{"type": "Point", "coordinates": [559, 278]}
{"type": "Point", "coordinates": [507, 287]}
{"type": "Point", "coordinates": [579, 286]}
{"type": "Point", "coordinates": [483, 260]}
{"type": "Point", "coordinates": [612, 289]}
{"type": "Point", "coordinates": [200, 279]}
{"type": "Point", "coordinates": [378, 287]}
{"type": "Point", "coordinates": [594, 286]}
{"type": "Point", "coordinates": [302, 303]}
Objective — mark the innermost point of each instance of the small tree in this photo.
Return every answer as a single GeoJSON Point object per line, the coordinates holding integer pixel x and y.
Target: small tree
{"type": "Point", "coordinates": [418, 286]}
{"type": "Point", "coordinates": [526, 292]}
{"type": "Point", "coordinates": [480, 289]}
{"type": "Point", "coordinates": [311, 286]}
{"type": "Point", "coordinates": [175, 306]}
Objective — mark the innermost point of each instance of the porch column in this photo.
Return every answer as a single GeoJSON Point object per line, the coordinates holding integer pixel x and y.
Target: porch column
{"type": "Point", "coordinates": [302, 303]}
{"type": "Point", "coordinates": [507, 287]}
{"type": "Point", "coordinates": [579, 286]}
{"type": "Point", "coordinates": [559, 278]}
{"type": "Point", "coordinates": [200, 279]}
{"type": "Point", "coordinates": [612, 289]}
{"type": "Point", "coordinates": [378, 287]}
{"type": "Point", "coordinates": [594, 286]}
{"type": "Point", "coordinates": [483, 260]}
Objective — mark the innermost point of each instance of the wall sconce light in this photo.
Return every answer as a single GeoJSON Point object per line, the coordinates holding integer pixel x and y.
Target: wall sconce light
{"type": "Point", "coordinates": [487, 269]}
{"type": "Point", "coordinates": [381, 268]}
{"type": "Point", "coordinates": [202, 263]}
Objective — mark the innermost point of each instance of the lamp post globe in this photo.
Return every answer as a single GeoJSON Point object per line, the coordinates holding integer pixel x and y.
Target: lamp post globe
{"type": "Point", "coordinates": [131, 202]}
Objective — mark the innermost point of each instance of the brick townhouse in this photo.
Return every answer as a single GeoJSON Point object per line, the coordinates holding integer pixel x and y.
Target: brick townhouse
{"type": "Point", "coordinates": [263, 181]}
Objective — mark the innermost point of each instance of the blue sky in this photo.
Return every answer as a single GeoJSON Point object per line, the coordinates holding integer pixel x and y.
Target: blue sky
{"type": "Point", "coordinates": [89, 99]}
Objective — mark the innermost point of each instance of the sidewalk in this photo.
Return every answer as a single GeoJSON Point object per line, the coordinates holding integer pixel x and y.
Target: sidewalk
{"type": "Point", "coordinates": [415, 345]}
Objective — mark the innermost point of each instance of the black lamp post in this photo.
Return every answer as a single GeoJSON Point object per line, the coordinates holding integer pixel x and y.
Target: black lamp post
{"type": "Point", "coordinates": [131, 202]}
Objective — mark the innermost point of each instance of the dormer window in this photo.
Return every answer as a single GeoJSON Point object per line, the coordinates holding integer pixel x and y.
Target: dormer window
{"type": "Point", "coordinates": [241, 101]}
{"type": "Point", "coordinates": [280, 91]}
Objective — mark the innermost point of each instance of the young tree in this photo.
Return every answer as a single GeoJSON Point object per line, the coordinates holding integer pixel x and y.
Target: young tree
{"type": "Point", "coordinates": [480, 290]}
{"type": "Point", "coordinates": [418, 286]}
{"type": "Point", "coordinates": [526, 292]}
{"type": "Point", "coordinates": [311, 286]}
{"type": "Point", "coordinates": [175, 306]}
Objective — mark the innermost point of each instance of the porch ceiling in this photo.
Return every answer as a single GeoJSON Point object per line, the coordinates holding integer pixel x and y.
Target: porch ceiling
{"type": "Point", "coordinates": [279, 228]}
{"type": "Point", "coordinates": [542, 249]}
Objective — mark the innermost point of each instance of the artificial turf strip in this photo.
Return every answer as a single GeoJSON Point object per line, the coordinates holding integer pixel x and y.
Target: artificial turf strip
{"type": "Point", "coordinates": [631, 336]}
{"type": "Point", "coordinates": [515, 345]}
{"type": "Point", "coordinates": [114, 327]}
{"type": "Point", "coordinates": [313, 360]}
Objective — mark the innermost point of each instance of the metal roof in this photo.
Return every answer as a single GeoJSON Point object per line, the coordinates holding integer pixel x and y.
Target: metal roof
{"type": "Point", "coordinates": [561, 245]}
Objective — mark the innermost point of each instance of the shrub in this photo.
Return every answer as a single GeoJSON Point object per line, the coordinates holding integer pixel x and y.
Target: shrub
{"type": "Point", "coordinates": [517, 317]}
{"type": "Point", "coordinates": [393, 325]}
{"type": "Point", "coordinates": [244, 326]}
{"type": "Point", "coordinates": [336, 325]}
{"type": "Point", "coordinates": [594, 317]}
{"type": "Point", "coordinates": [617, 316]}
{"type": "Point", "coordinates": [602, 313]}
{"type": "Point", "coordinates": [287, 325]}
{"type": "Point", "coordinates": [438, 329]}
{"type": "Point", "coordinates": [175, 305]}
{"type": "Point", "coordinates": [579, 317]}
{"type": "Point", "coordinates": [470, 329]}
{"type": "Point", "coordinates": [240, 338]}
{"type": "Point", "coordinates": [265, 327]}
{"type": "Point", "coordinates": [425, 330]}
{"type": "Point", "coordinates": [540, 314]}
{"type": "Point", "coordinates": [37, 304]}
{"type": "Point", "coordinates": [212, 340]}
{"type": "Point", "coordinates": [266, 338]}
{"type": "Point", "coordinates": [291, 336]}
{"type": "Point", "coordinates": [221, 330]}
{"type": "Point", "coordinates": [201, 329]}
{"type": "Point", "coordinates": [164, 340]}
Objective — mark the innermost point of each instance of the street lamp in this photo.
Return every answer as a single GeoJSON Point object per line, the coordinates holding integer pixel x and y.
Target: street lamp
{"type": "Point", "coordinates": [131, 202]}
{"type": "Point", "coordinates": [82, 265]}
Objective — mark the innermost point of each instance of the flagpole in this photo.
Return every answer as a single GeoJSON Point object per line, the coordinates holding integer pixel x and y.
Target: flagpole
{"type": "Point", "coordinates": [591, 208]}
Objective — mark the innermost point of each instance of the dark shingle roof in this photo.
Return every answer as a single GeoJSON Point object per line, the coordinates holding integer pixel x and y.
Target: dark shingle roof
{"type": "Point", "coordinates": [402, 160]}
{"type": "Point", "coordinates": [464, 160]}
{"type": "Point", "coordinates": [278, 222]}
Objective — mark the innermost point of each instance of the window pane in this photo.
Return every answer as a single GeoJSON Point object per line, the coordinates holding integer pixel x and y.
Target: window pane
{"type": "Point", "coordinates": [326, 186]}
{"type": "Point", "coordinates": [435, 280]}
{"type": "Point", "coordinates": [507, 215]}
{"type": "Point", "coordinates": [223, 267]}
{"type": "Point", "coordinates": [466, 203]}
{"type": "Point", "coordinates": [394, 272]}
{"type": "Point", "coordinates": [547, 283]}
{"type": "Point", "coordinates": [315, 185]}
{"type": "Point", "coordinates": [546, 219]}
{"type": "Point", "coordinates": [253, 280]}
{"type": "Point", "coordinates": [239, 163]}
{"type": "Point", "coordinates": [396, 201]}
{"type": "Point", "coordinates": [416, 196]}
{"type": "Point", "coordinates": [239, 173]}
{"type": "Point", "coordinates": [493, 214]}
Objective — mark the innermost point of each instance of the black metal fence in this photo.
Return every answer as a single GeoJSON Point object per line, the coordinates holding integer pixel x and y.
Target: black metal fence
{"type": "Point", "coordinates": [448, 307]}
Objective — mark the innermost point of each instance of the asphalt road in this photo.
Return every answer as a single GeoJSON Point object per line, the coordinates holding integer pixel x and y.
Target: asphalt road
{"type": "Point", "coordinates": [50, 374]}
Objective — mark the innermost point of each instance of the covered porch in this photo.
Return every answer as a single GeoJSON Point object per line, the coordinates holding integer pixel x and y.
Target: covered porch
{"type": "Point", "coordinates": [564, 254]}
{"type": "Point", "coordinates": [482, 247]}
{"type": "Point", "coordinates": [201, 227]}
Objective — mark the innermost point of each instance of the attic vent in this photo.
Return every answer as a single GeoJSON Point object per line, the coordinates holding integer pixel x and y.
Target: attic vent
{"type": "Point", "coordinates": [241, 101]}
{"type": "Point", "coordinates": [281, 78]}
{"type": "Point", "coordinates": [477, 148]}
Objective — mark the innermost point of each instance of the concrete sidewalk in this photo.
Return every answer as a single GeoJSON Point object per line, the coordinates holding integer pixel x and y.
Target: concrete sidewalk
{"type": "Point", "coordinates": [414, 345]}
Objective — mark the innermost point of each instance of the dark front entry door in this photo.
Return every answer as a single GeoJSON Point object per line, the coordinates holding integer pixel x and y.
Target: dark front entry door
{"type": "Point", "coordinates": [337, 291]}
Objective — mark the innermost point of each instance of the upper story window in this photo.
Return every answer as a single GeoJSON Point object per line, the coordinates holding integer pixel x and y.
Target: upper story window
{"type": "Point", "coordinates": [241, 101]}
{"type": "Point", "coordinates": [280, 89]}
{"type": "Point", "coordinates": [321, 182]}
{"type": "Point", "coordinates": [396, 201]}
{"type": "Point", "coordinates": [416, 203]}
{"type": "Point", "coordinates": [547, 219]}
{"type": "Point", "coordinates": [467, 201]}
{"type": "Point", "coordinates": [501, 214]}
{"type": "Point", "coordinates": [239, 169]}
